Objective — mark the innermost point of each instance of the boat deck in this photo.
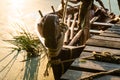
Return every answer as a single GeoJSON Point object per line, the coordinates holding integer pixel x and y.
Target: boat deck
{"type": "Point", "coordinates": [108, 41]}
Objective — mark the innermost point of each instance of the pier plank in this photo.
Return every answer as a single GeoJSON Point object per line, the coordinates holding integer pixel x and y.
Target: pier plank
{"type": "Point", "coordinates": [103, 43]}
{"type": "Point", "coordinates": [106, 38]}
{"type": "Point", "coordinates": [77, 75]}
{"type": "Point", "coordinates": [108, 31]}
{"type": "Point", "coordinates": [85, 65]}
{"type": "Point", "coordinates": [114, 29]}
{"type": "Point", "coordinates": [85, 54]}
{"type": "Point", "coordinates": [110, 34]}
{"type": "Point", "coordinates": [102, 49]}
{"type": "Point", "coordinates": [95, 31]}
{"type": "Point", "coordinates": [90, 65]}
{"type": "Point", "coordinates": [74, 75]}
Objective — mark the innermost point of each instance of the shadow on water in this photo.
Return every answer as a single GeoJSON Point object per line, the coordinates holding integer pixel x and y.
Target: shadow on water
{"type": "Point", "coordinates": [6, 56]}
{"type": "Point", "coordinates": [31, 69]}
{"type": "Point", "coordinates": [9, 64]}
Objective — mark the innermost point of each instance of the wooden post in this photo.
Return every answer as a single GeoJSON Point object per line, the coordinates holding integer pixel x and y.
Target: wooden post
{"type": "Point", "coordinates": [84, 20]}
{"type": "Point", "coordinates": [66, 40]}
{"type": "Point", "coordinates": [72, 26]}
{"type": "Point", "coordinates": [40, 13]}
{"type": "Point", "coordinates": [53, 9]}
{"type": "Point", "coordinates": [75, 38]}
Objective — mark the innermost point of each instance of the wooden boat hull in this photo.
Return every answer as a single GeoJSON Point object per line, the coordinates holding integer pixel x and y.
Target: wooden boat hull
{"type": "Point", "coordinates": [67, 55]}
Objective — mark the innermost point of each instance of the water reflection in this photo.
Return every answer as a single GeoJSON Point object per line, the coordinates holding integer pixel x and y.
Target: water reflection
{"type": "Point", "coordinates": [17, 3]}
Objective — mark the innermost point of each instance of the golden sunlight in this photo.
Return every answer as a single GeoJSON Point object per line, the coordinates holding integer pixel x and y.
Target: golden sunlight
{"type": "Point", "coordinates": [17, 4]}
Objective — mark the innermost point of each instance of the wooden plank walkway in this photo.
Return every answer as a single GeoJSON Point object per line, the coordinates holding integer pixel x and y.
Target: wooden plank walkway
{"type": "Point", "coordinates": [108, 41]}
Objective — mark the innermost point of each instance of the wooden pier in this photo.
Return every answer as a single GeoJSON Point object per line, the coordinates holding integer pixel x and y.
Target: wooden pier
{"type": "Point", "coordinates": [108, 41]}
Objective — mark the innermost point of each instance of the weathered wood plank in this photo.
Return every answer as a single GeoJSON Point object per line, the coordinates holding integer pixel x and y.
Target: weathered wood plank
{"type": "Point", "coordinates": [106, 38]}
{"type": "Point", "coordinates": [77, 75]}
{"type": "Point", "coordinates": [112, 34]}
{"type": "Point", "coordinates": [108, 31]}
{"type": "Point", "coordinates": [71, 52]}
{"type": "Point", "coordinates": [101, 49]}
{"type": "Point", "coordinates": [103, 43]}
{"type": "Point", "coordinates": [91, 65]}
{"type": "Point", "coordinates": [112, 29]}
{"type": "Point", "coordinates": [102, 24]}
{"type": "Point", "coordinates": [108, 77]}
{"type": "Point", "coordinates": [74, 75]}
{"type": "Point", "coordinates": [95, 31]}
{"type": "Point", "coordinates": [85, 54]}
{"type": "Point", "coordinates": [116, 26]}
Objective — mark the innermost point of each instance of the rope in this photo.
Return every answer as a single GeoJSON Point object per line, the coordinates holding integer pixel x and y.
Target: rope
{"type": "Point", "coordinates": [58, 61]}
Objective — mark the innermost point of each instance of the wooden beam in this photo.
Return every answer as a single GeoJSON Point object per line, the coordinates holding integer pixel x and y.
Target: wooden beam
{"type": "Point", "coordinates": [102, 24]}
{"type": "Point", "coordinates": [103, 43]}
{"type": "Point", "coordinates": [90, 49]}
{"type": "Point", "coordinates": [94, 19]}
{"type": "Point", "coordinates": [106, 38]}
{"type": "Point", "coordinates": [110, 34]}
{"type": "Point", "coordinates": [77, 75]}
{"type": "Point", "coordinates": [92, 66]}
{"type": "Point", "coordinates": [76, 37]}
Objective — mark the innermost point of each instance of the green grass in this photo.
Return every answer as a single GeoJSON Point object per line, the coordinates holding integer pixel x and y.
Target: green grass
{"type": "Point", "coordinates": [28, 42]}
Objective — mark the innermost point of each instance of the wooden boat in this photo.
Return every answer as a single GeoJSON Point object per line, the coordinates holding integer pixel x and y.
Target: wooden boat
{"type": "Point", "coordinates": [65, 45]}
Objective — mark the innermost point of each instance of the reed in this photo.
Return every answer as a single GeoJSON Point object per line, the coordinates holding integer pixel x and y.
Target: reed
{"type": "Point", "coordinates": [27, 42]}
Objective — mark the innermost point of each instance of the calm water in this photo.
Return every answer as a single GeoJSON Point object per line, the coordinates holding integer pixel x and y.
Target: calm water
{"type": "Point", "coordinates": [23, 12]}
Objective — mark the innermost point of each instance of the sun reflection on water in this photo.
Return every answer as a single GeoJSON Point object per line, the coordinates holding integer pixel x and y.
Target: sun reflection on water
{"type": "Point", "coordinates": [17, 3]}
